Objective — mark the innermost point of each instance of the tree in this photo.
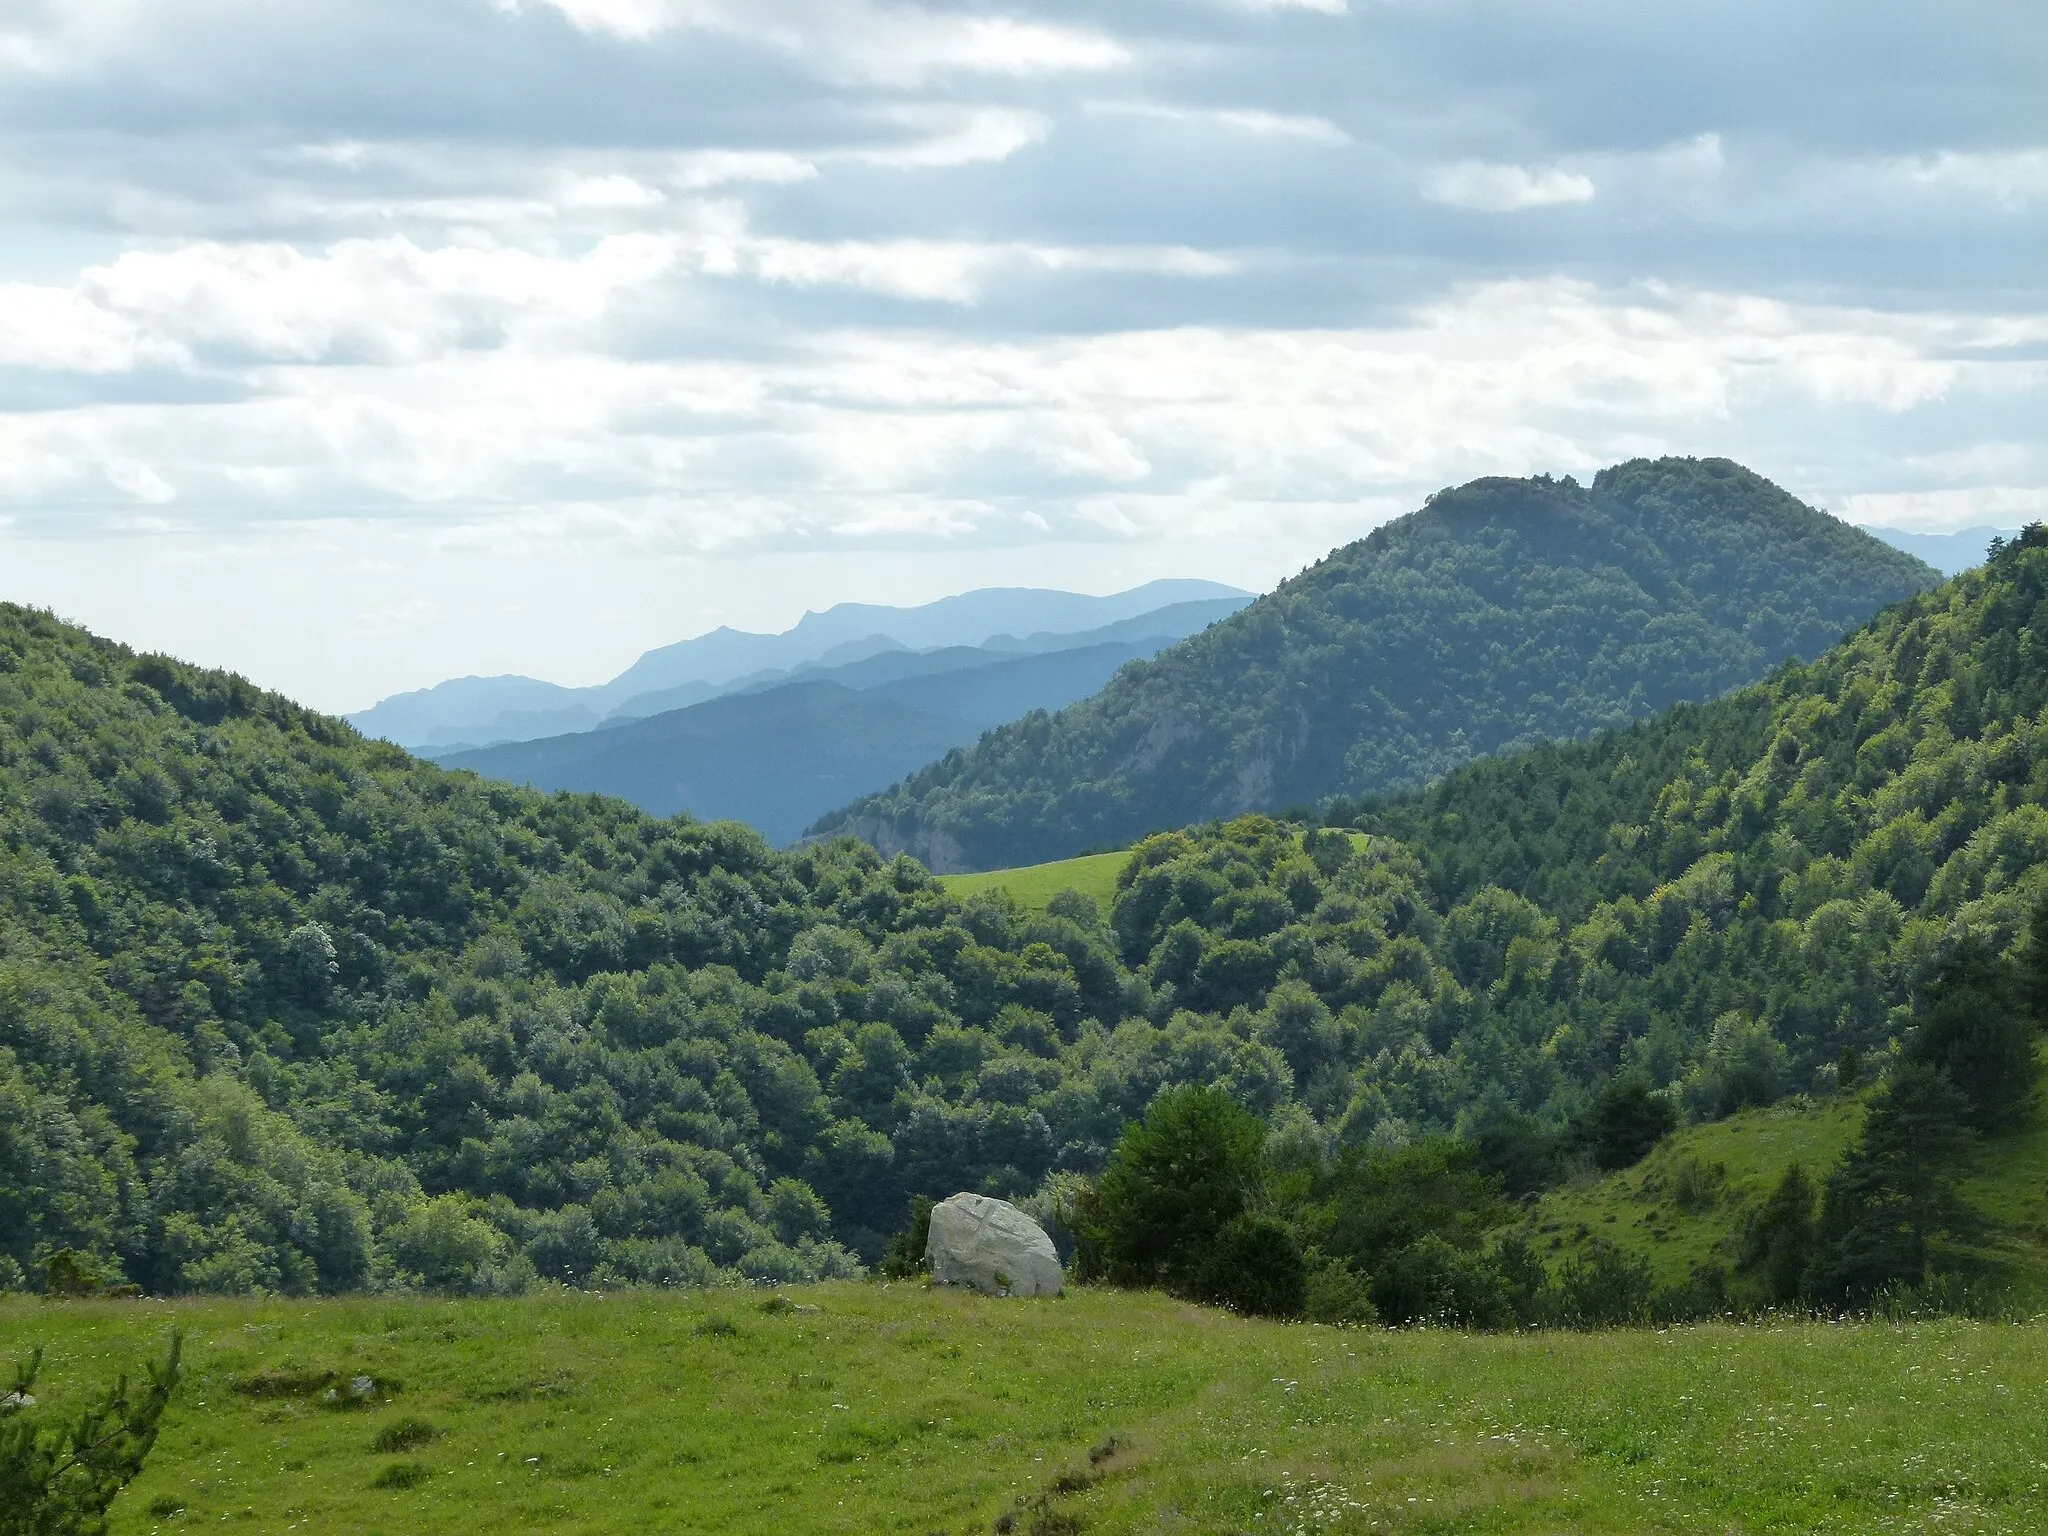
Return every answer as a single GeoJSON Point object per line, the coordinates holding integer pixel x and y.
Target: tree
{"type": "Point", "coordinates": [1778, 1243]}
{"type": "Point", "coordinates": [1893, 1192]}
{"type": "Point", "coordinates": [2033, 967]}
{"type": "Point", "coordinates": [1193, 1165]}
{"type": "Point", "coordinates": [58, 1478]}
{"type": "Point", "coordinates": [1629, 1119]}
{"type": "Point", "coordinates": [1376, 1203]}
{"type": "Point", "coordinates": [1976, 1032]}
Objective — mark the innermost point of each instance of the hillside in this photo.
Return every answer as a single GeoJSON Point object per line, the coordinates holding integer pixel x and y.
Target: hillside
{"type": "Point", "coordinates": [284, 1009]}
{"type": "Point", "coordinates": [856, 1408]}
{"type": "Point", "coordinates": [778, 756]}
{"type": "Point", "coordinates": [1687, 1204]}
{"type": "Point", "coordinates": [1504, 613]}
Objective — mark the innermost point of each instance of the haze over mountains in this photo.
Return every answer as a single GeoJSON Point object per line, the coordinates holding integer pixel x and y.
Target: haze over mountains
{"type": "Point", "coordinates": [1503, 613]}
{"type": "Point", "coordinates": [481, 711]}
{"type": "Point", "coordinates": [779, 755]}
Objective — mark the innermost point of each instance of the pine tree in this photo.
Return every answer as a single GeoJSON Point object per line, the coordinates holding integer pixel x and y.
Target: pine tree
{"type": "Point", "coordinates": [58, 1479]}
{"type": "Point", "coordinates": [1894, 1191]}
{"type": "Point", "coordinates": [1778, 1246]}
{"type": "Point", "coordinates": [1976, 1031]}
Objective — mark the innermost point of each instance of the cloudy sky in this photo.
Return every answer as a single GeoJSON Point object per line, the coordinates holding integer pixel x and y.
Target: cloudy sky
{"type": "Point", "coordinates": [360, 343]}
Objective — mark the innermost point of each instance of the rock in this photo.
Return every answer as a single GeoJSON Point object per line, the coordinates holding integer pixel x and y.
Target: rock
{"type": "Point", "coordinates": [992, 1246]}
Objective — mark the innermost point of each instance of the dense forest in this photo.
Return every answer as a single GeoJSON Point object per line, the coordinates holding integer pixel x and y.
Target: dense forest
{"type": "Point", "coordinates": [284, 1009]}
{"type": "Point", "coordinates": [1504, 613]}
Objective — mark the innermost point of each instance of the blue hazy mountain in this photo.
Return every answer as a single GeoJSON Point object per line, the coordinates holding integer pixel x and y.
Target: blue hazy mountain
{"type": "Point", "coordinates": [473, 711]}
{"type": "Point", "coordinates": [1949, 553]}
{"type": "Point", "coordinates": [778, 756]}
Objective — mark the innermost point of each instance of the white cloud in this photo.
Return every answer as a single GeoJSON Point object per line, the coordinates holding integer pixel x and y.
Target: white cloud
{"type": "Point", "coordinates": [857, 39]}
{"type": "Point", "coordinates": [2014, 178]}
{"type": "Point", "coordinates": [1250, 120]}
{"type": "Point", "coordinates": [1491, 188]}
{"type": "Point", "coordinates": [983, 136]}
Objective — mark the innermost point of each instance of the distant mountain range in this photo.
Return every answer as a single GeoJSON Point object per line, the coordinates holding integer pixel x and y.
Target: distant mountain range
{"type": "Point", "coordinates": [779, 754]}
{"type": "Point", "coordinates": [1949, 553]}
{"type": "Point", "coordinates": [481, 711]}
{"type": "Point", "coordinates": [1503, 613]}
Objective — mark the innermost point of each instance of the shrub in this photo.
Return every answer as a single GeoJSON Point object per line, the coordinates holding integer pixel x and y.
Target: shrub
{"type": "Point", "coordinates": [1254, 1266]}
{"type": "Point", "coordinates": [1432, 1282]}
{"type": "Point", "coordinates": [1187, 1170]}
{"type": "Point", "coordinates": [1337, 1293]}
{"type": "Point", "coordinates": [404, 1435]}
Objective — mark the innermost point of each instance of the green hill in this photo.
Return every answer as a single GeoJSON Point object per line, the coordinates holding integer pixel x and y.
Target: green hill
{"type": "Point", "coordinates": [282, 1009]}
{"type": "Point", "coordinates": [1505, 612]}
{"type": "Point", "coordinates": [861, 1409]}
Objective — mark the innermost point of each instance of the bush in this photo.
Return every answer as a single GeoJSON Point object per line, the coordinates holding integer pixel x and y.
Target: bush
{"type": "Point", "coordinates": [1254, 1266]}
{"type": "Point", "coordinates": [1337, 1293]}
{"type": "Point", "coordinates": [1430, 1282]}
{"type": "Point", "coordinates": [905, 1255]}
{"type": "Point", "coordinates": [1192, 1166]}
{"type": "Point", "coordinates": [1612, 1289]}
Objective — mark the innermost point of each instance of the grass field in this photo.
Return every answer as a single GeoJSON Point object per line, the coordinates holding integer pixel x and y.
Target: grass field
{"type": "Point", "coordinates": [1093, 874]}
{"type": "Point", "coordinates": [865, 1408]}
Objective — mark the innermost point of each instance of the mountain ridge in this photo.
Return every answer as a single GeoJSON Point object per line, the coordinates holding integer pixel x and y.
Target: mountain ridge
{"type": "Point", "coordinates": [449, 715]}
{"type": "Point", "coordinates": [1501, 613]}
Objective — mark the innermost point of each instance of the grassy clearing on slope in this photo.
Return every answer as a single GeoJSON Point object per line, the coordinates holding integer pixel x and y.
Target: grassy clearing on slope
{"type": "Point", "coordinates": [1686, 1204]}
{"type": "Point", "coordinates": [862, 1408]}
{"type": "Point", "coordinates": [1093, 874]}
{"type": "Point", "coordinates": [1681, 1205]}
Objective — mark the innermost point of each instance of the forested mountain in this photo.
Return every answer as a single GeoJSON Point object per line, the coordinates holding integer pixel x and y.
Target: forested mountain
{"type": "Point", "coordinates": [1503, 613]}
{"type": "Point", "coordinates": [281, 1008]}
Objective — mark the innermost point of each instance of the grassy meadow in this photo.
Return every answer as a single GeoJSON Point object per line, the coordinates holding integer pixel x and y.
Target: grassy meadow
{"type": "Point", "coordinates": [868, 1408]}
{"type": "Point", "coordinates": [1092, 874]}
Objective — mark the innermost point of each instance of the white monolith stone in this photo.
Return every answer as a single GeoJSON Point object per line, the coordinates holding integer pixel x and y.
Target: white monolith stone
{"type": "Point", "coordinates": [992, 1246]}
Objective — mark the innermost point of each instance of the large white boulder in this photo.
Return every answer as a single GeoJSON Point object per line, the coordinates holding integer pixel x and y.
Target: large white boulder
{"type": "Point", "coordinates": [992, 1246]}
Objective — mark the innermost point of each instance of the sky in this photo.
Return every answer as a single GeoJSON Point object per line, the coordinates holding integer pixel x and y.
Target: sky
{"type": "Point", "coordinates": [356, 344]}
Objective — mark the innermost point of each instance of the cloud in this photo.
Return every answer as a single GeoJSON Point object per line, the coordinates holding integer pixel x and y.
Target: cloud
{"type": "Point", "coordinates": [889, 43]}
{"type": "Point", "coordinates": [2014, 178]}
{"type": "Point", "coordinates": [1249, 120]}
{"type": "Point", "coordinates": [587, 289]}
{"type": "Point", "coordinates": [1493, 188]}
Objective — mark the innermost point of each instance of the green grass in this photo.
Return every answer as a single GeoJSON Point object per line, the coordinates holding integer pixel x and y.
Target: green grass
{"type": "Point", "coordinates": [1686, 1203]}
{"type": "Point", "coordinates": [1093, 874]}
{"type": "Point", "coordinates": [1033, 885]}
{"type": "Point", "coordinates": [894, 1409]}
